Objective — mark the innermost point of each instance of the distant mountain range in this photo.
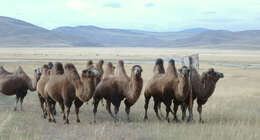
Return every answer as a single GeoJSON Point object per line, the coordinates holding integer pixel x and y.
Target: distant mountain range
{"type": "Point", "coordinates": [17, 33]}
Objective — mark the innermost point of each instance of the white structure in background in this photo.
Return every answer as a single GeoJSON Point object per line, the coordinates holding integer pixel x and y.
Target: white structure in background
{"type": "Point", "coordinates": [195, 61]}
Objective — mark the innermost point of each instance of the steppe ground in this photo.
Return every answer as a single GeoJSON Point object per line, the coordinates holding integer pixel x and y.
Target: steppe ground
{"type": "Point", "coordinates": [233, 112]}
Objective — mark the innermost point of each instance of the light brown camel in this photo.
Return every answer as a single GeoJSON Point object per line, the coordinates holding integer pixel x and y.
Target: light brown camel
{"type": "Point", "coordinates": [203, 87]}
{"type": "Point", "coordinates": [16, 83]}
{"type": "Point", "coordinates": [68, 88]}
{"type": "Point", "coordinates": [114, 89]}
{"type": "Point", "coordinates": [45, 74]}
{"type": "Point", "coordinates": [164, 87]}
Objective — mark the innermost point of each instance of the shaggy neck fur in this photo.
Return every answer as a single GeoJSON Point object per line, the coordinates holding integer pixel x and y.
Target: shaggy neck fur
{"type": "Point", "coordinates": [207, 87]}
{"type": "Point", "coordinates": [135, 88]}
{"type": "Point", "coordinates": [182, 90]}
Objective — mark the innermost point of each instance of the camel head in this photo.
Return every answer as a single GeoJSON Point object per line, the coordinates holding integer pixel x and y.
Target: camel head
{"type": "Point", "coordinates": [184, 72]}
{"type": "Point", "coordinates": [137, 72]}
{"type": "Point", "coordinates": [50, 65]}
{"type": "Point", "coordinates": [212, 75]}
{"type": "Point", "coordinates": [89, 84]}
{"type": "Point", "coordinates": [159, 68]}
{"type": "Point", "coordinates": [58, 68]}
{"type": "Point", "coordinates": [37, 74]}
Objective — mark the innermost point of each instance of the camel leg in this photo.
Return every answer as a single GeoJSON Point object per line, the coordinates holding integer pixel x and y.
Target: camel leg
{"type": "Point", "coordinates": [68, 106]}
{"type": "Point", "coordinates": [147, 99]}
{"type": "Point", "coordinates": [175, 109]}
{"type": "Point", "coordinates": [190, 114]}
{"type": "Point", "coordinates": [62, 109]}
{"type": "Point", "coordinates": [42, 106]}
{"type": "Point", "coordinates": [49, 110]}
{"type": "Point", "coordinates": [16, 101]}
{"type": "Point", "coordinates": [127, 110]}
{"type": "Point", "coordinates": [116, 109]}
{"type": "Point", "coordinates": [108, 108]}
{"type": "Point", "coordinates": [21, 103]}
{"type": "Point", "coordinates": [168, 109]}
{"type": "Point", "coordinates": [156, 102]}
{"type": "Point", "coordinates": [160, 110]}
{"type": "Point", "coordinates": [200, 112]}
{"type": "Point", "coordinates": [183, 108]}
{"type": "Point", "coordinates": [53, 108]}
{"type": "Point", "coordinates": [96, 101]}
{"type": "Point", "coordinates": [77, 104]}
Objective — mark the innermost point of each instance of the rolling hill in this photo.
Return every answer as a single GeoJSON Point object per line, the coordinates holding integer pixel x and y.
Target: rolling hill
{"type": "Point", "coordinates": [19, 33]}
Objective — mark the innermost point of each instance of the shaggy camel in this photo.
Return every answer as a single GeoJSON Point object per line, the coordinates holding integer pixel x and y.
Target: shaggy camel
{"type": "Point", "coordinates": [114, 89]}
{"type": "Point", "coordinates": [165, 87]}
{"type": "Point", "coordinates": [41, 84]}
{"type": "Point", "coordinates": [16, 83]}
{"type": "Point", "coordinates": [68, 88]}
{"type": "Point", "coordinates": [203, 87]}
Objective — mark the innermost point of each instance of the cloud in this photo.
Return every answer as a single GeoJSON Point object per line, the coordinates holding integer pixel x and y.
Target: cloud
{"type": "Point", "coordinates": [209, 13]}
{"type": "Point", "coordinates": [150, 4]}
{"type": "Point", "coordinates": [112, 5]}
{"type": "Point", "coordinates": [78, 5]}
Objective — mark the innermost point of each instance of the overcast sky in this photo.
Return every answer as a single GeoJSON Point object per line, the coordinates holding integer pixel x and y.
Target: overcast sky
{"type": "Point", "coordinates": [151, 15]}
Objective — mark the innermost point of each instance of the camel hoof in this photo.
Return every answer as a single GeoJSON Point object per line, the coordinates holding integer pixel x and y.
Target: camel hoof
{"type": "Point", "coordinates": [54, 121]}
{"type": "Point", "coordinates": [78, 121]}
{"type": "Point", "coordinates": [49, 120]}
{"type": "Point", "coordinates": [201, 121]}
{"type": "Point", "coordinates": [189, 120]}
{"type": "Point", "coordinates": [15, 109]}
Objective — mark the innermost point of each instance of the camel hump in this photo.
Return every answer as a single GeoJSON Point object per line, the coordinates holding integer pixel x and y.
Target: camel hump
{"type": "Point", "coordinates": [171, 69]}
{"type": "Point", "coordinates": [159, 61]}
{"type": "Point", "coordinates": [158, 68]}
{"type": "Point", "coordinates": [58, 68]}
{"type": "Point", "coordinates": [71, 71]}
{"type": "Point", "coordinates": [2, 70]}
{"type": "Point", "coordinates": [19, 70]}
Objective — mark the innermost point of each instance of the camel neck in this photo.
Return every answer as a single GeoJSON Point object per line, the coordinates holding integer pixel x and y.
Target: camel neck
{"type": "Point", "coordinates": [135, 88]}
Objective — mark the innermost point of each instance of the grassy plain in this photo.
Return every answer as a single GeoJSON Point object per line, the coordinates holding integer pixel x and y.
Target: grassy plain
{"type": "Point", "coordinates": [233, 112]}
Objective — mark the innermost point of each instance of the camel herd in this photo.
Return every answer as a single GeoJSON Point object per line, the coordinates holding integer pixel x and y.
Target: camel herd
{"type": "Point", "coordinates": [65, 86]}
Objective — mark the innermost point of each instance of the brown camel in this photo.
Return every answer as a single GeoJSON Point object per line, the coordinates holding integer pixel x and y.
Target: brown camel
{"type": "Point", "coordinates": [45, 74]}
{"type": "Point", "coordinates": [114, 89]}
{"type": "Point", "coordinates": [164, 87]}
{"type": "Point", "coordinates": [16, 83]}
{"type": "Point", "coordinates": [203, 87]}
{"type": "Point", "coordinates": [68, 88]}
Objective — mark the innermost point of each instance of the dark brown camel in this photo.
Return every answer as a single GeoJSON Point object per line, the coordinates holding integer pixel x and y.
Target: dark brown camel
{"type": "Point", "coordinates": [68, 88]}
{"type": "Point", "coordinates": [16, 83]}
{"type": "Point", "coordinates": [203, 87]}
{"type": "Point", "coordinates": [114, 89]}
{"type": "Point", "coordinates": [164, 87]}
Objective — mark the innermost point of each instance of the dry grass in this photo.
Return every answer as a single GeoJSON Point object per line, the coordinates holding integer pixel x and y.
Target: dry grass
{"type": "Point", "coordinates": [231, 113]}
